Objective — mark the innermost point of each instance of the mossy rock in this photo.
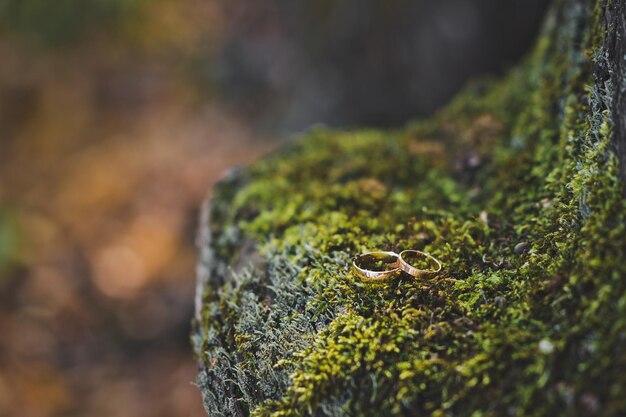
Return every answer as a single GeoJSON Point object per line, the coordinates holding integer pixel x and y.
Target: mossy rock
{"type": "Point", "coordinates": [515, 187]}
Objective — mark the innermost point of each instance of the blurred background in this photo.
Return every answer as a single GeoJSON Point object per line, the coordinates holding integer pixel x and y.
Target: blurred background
{"type": "Point", "coordinates": [117, 116]}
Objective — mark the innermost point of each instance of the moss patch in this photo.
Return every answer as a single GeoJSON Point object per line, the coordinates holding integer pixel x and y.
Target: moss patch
{"type": "Point", "coordinates": [514, 187]}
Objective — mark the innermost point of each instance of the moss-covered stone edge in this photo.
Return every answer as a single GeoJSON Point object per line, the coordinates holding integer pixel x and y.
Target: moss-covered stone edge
{"type": "Point", "coordinates": [514, 186]}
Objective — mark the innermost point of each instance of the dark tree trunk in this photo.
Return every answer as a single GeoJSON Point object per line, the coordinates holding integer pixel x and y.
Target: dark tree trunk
{"type": "Point", "coordinates": [614, 72]}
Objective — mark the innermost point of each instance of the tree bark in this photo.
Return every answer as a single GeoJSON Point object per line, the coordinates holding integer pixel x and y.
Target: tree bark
{"type": "Point", "coordinates": [614, 22]}
{"type": "Point", "coordinates": [516, 186]}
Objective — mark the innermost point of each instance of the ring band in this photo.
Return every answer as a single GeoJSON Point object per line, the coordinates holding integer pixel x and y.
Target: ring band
{"type": "Point", "coordinates": [374, 275]}
{"type": "Point", "coordinates": [418, 273]}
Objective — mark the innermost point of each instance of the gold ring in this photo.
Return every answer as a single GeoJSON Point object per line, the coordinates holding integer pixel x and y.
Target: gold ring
{"type": "Point", "coordinates": [416, 272]}
{"type": "Point", "coordinates": [376, 266]}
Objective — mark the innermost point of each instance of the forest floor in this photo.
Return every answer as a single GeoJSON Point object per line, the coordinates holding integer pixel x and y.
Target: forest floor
{"type": "Point", "coordinates": [104, 163]}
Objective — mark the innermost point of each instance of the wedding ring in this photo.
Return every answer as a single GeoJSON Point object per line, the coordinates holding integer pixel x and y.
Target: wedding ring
{"type": "Point", "coordinates": [417, 272]}
{"type": "Point", "coordinates": [376, 266]}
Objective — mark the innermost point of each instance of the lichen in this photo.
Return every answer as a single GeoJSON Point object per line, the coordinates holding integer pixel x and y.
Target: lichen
{"type": "Point", "coordinates": [514, 186]}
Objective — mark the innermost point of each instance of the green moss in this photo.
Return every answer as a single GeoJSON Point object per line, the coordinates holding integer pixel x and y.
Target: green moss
{"type": "Point", "coordinates": [514, 187]}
